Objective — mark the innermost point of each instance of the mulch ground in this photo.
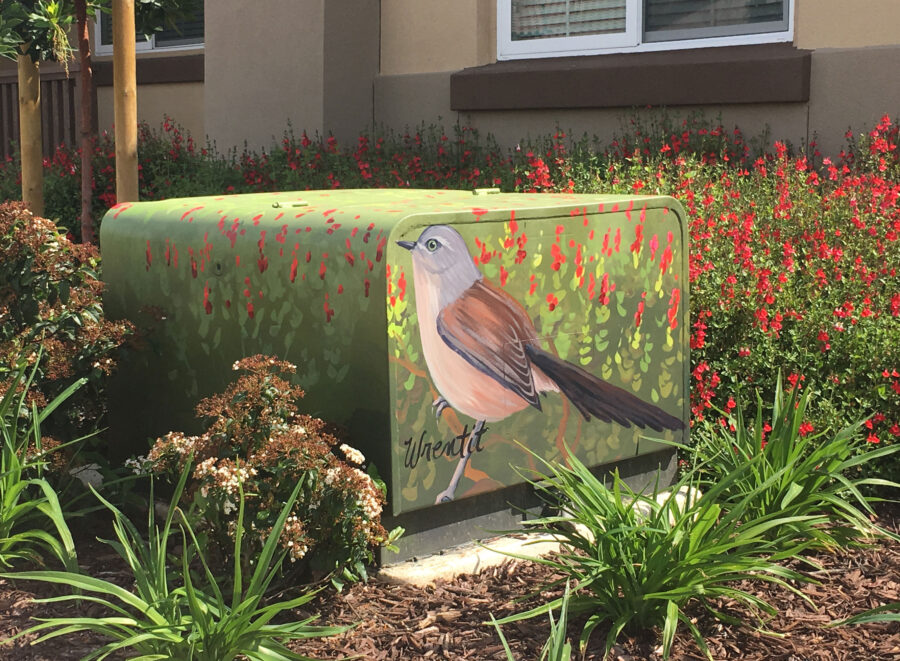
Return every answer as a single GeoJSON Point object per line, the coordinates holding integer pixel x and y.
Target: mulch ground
{"type": "Point", "coordinates": [445, 621]}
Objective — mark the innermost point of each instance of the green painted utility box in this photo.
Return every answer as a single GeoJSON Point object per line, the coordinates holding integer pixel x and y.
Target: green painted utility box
{"type": "Point", "coordinates": [540, 321]}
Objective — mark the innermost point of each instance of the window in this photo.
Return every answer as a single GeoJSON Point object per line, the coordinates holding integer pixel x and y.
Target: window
{"type": "Point", "coordinates": [543, 28]}
{"type": "Point", "coordinates": [189, 34]}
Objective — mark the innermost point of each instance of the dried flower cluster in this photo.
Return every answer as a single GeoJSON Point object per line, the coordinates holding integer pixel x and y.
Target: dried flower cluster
{"type": "Point", "coordinates": [257, 446]}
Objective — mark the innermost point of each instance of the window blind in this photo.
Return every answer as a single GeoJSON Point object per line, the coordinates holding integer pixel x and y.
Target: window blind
{"type": "Point", "coordinates": [537, 19]}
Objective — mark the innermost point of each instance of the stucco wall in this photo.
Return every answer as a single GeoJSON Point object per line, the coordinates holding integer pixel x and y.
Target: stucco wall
{"type": "Point", "coordinates": [421, 36]}
{"type": "Point", "coordinates": [846, 23]}
{"type": "Point", "coordinates": [264, 68]}
{"type": "Point", "coordinates": [849, 88]}
{"type": "Point", "coordinates": [351, 64]}
{"type": "Point", "coordinates": [181, 101]}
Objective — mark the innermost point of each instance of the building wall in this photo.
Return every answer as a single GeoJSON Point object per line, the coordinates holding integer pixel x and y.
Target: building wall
{"type": "Point", "coordinates": [422, 36]}
{"type": "Point", "coordinates": [341, 65]}
{"type": "Point", "coordinates": [843, 24]}
{"type": "Point", "coordinates": [351, 47]}
{"type": "Point", "coordinates": [855, 56]}
{"type": "Point", "coordinates": [183, 102]}
{"type": "Point", "coordinates": [264, 69]}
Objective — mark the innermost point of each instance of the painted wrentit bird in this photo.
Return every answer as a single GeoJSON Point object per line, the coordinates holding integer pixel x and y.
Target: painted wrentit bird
{"type": "Point", "coordinates": [483, 352]}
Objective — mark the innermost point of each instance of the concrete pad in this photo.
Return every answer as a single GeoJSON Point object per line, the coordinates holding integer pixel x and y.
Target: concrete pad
{"type": "Point", "coordinates": [468, 558]}
{"type": "Point", "coordinates": [473, 557]}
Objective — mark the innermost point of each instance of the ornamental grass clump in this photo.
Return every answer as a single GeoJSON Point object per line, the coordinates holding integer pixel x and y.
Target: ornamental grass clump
{"type": "Point", "coordinates": [32, 523]}
{"type": "Point", "coordinates": [257, 443]}
{"type": "Point", "coordinates": [783, 466]}
{"type": "Point", "coordinates": [637, 561]}
{"type": "Point", "coordinates": [180, 612]}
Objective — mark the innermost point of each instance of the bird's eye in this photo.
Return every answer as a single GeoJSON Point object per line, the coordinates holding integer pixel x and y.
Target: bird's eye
{"type": "Point", "coordinates": [431, 245]}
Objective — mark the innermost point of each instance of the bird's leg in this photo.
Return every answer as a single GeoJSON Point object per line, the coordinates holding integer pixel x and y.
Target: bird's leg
{"type": "Point", "coordinates": [471, 443]}
{"type": "Point", "coordinates": [439, 405]}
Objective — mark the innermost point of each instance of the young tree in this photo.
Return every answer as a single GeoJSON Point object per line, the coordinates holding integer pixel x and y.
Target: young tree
{"type": "Point", "coordinates": [86, 132]}
{"type": "Point", "coordinates": [37, 30]}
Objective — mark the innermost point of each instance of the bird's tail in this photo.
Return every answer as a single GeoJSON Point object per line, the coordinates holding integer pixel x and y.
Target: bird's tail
{"type": "Point", "coordinates": [597, 398]}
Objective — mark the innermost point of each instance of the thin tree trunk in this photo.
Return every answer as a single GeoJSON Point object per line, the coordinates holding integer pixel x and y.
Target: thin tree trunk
{"type": "Point", "coordinates": [125, 95]}
{"type": "Point", "coordinates": [87, 114]}
{"type": "Point", "coordinates": [30, 139]}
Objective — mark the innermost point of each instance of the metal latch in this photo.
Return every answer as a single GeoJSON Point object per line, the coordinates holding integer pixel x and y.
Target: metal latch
{"type": "Point", "coordinates": [291, 204]}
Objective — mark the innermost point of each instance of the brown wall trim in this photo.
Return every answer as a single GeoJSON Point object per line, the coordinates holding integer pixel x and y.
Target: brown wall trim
{"type": "Point", "coordinates": [770, 73]}
{"type": "Point", "coordinates": [175, 69]}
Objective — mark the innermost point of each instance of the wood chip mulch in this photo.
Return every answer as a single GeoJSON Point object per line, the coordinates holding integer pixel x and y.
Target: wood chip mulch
{"type": "Point", "coordinates": [446, 620]}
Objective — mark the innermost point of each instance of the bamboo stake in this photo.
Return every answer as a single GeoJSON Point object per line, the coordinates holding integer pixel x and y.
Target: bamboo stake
{"type": "Point", "coordinates": [125, 95]}
{"type": "Point", "coordinates": [30, 139]}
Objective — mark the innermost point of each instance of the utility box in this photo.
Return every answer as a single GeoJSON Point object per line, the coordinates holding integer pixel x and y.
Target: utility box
{"type": "Point", "coordinates": [452, 334]}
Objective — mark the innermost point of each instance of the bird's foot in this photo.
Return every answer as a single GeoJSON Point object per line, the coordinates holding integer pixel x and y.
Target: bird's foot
{"type": "Point", "coordinates": [445, 496]}
{"type": "Point", "coordinates": [439, 405]}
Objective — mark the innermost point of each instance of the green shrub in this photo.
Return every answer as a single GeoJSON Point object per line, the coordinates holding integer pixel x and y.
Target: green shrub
{"type": "Point", "coordinates": [783, 468]}
{"type": "Point", "coordinates": [636, 561]}
{"type": "Point", "coordinates": [256, 441]}
{"type": "Point", "coordinates": [173, 614]}
{"type": "Point", "coordinates": [51, 317]}
{"type": "Point", "coordinates": [793, 256]}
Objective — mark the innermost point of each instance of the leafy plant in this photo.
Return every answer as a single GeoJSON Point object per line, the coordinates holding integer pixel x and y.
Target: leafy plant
{"type": "Point", "coordinates": [51, 314]}
{"type": "Point", "coordinates": [885, 613]}
{"type": "Point", "coordinates": [782, 466]}
{"type": "Point", "coordinates": [28, 504]}
{"type": "Point", "coordinates": [557, 647]}
{"type": "Point", "coordinates": [175, 614]}
{"type": "Point", "coordinates": [256, 441]}
{"type": "Point", "coordinates": [638, 560]}
{"type": "Point", "coordinates": [791, 260]}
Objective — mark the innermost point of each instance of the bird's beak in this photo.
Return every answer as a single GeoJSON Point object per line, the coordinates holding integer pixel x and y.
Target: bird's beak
{"type": "Point", "coordinates": [409, 245]}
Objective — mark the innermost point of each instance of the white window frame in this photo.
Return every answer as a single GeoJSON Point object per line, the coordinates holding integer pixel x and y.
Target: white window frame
{"type": "Point", "coordinates": [141, 45]}
{"type": "Point", "coordinates": [629, 41]}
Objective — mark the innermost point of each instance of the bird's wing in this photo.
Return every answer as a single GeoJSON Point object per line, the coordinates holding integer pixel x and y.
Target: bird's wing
{"type": "Point", "coordinates": [489, 329]}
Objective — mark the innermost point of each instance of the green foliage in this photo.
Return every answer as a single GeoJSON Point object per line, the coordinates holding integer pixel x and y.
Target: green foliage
{"type": "Point", "coordinates": [28, 504]}
{"type": "Point", "coordinates": [51, 316]}
{"type": "Point", "coordinates": [152, 16]}
{"type": "Point", "coordinates": [256, 441]}
{"type": "Point", "coordinates": [793, 255]}
{"type": "Point", "coordinates": [43, 26]}
{"type": "Point", "coordinates": [180, 614]}
{"type": "Point", "coordinates": [783, 467]}
{"type": "Point", "coordinates": [638, 560]}
{"type": "Point", "coordinates": [885, 613]}
{"type": "Point", "coordinates": [557, 647]}
{"type": "Point", "coordinates": [12, 14]}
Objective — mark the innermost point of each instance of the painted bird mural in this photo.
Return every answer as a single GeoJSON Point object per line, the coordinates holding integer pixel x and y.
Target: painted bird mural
{"type": "Point", "coordinates": [483, 352]}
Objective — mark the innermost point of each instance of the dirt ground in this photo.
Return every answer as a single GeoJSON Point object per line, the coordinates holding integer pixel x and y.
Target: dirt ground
{"type": "Point", "coordinates": [446, 621]}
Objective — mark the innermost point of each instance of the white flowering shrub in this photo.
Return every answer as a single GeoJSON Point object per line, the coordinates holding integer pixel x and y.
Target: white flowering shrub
{"type": "Point", "coordinates": [257, 443]}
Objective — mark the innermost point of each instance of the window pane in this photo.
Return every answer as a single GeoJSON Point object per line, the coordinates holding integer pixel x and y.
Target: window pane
{"type": "Point", "coordinates": [537, 19]}
{"type": "Point", "coordinates": [188, 32]}
{"type": "Point", "coordinates": [709, 18]}
{"type": "Point", "coordinates": [106, 31]}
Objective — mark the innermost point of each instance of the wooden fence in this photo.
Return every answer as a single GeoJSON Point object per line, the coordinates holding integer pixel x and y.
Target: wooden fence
{"type": "Point", "coordinates": [60, 110]}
